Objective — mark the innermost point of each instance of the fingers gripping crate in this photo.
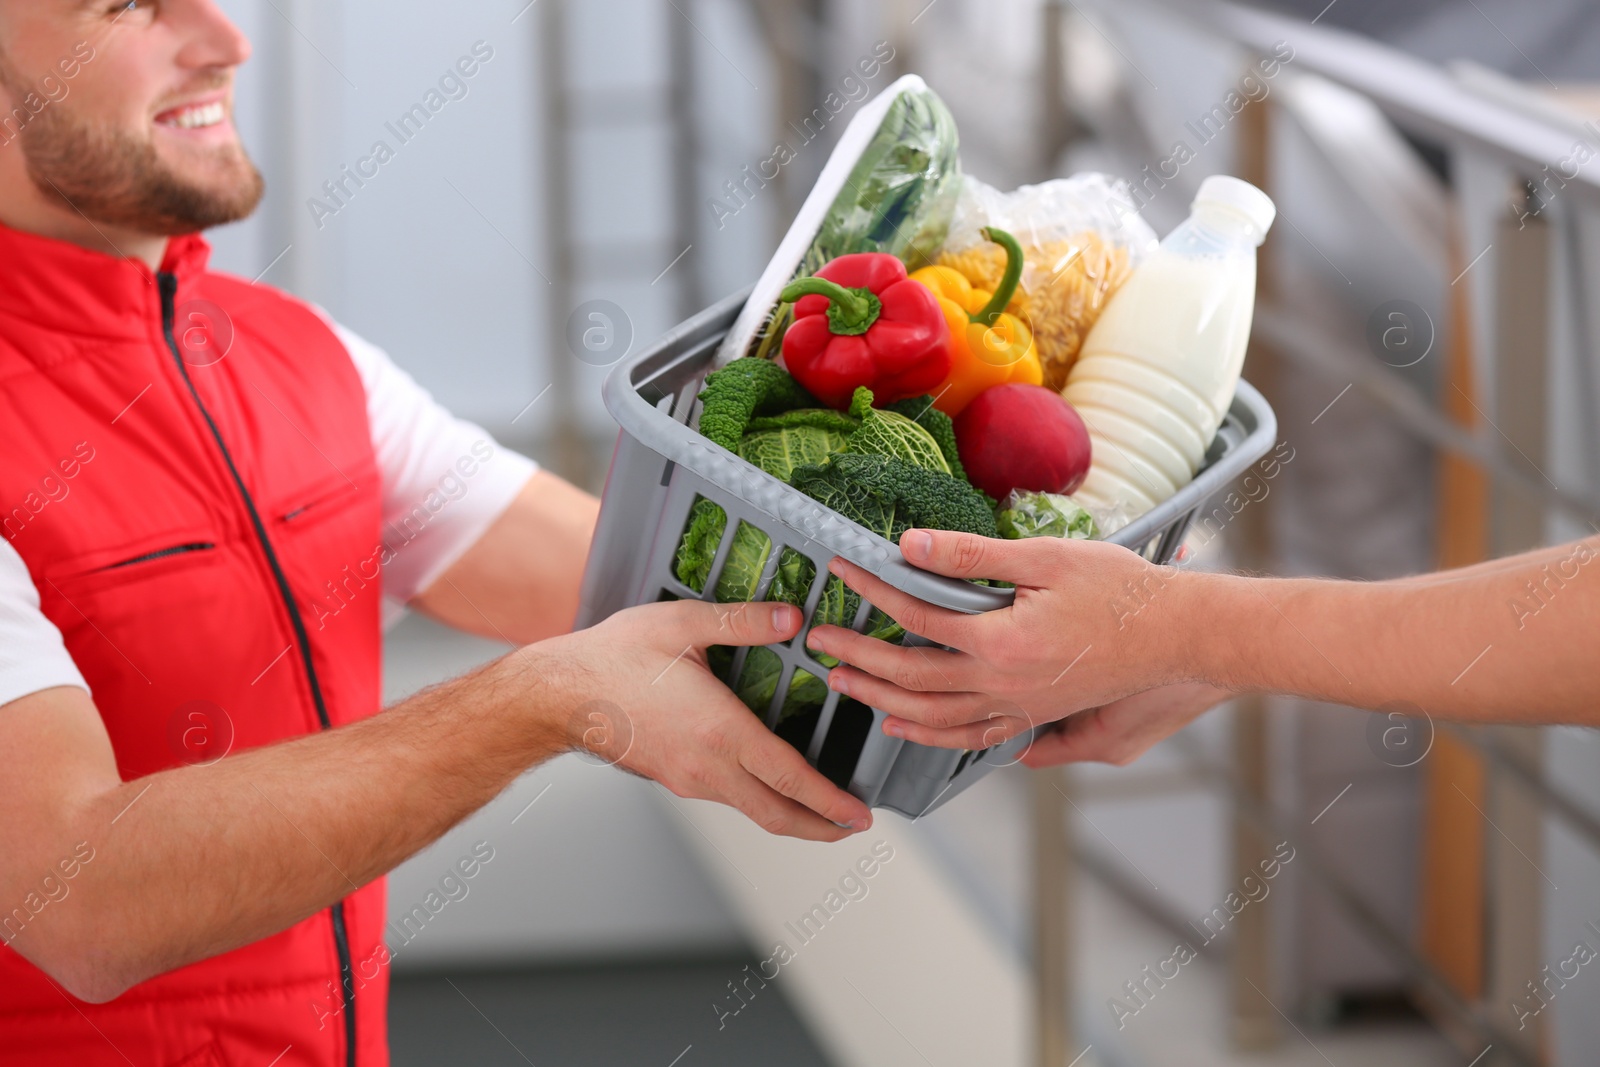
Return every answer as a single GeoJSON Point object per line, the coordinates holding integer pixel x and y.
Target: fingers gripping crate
{"type": "Point", "coordinates": [662, 466]}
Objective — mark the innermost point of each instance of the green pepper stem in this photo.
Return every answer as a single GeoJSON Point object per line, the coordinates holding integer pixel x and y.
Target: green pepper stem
{"type": "Point", "coordinates": [851, 311]}
{"type": "Point", "coordinates": [1008, 281]}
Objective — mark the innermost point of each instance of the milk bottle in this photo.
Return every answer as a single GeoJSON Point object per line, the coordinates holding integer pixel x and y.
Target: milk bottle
{"type": "Point", "coordinates": [1157, 372]}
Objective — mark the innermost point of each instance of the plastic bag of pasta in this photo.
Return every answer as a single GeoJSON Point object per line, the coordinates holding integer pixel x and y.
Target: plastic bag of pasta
{"type": "Point", "coordinates": [1081, 238]}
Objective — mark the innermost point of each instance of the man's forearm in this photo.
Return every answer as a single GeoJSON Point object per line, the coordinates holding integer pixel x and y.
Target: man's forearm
{"type": "Point", "coordinates": [1505, 642]}
{"type": "Point", "coordinates": [196, 861]}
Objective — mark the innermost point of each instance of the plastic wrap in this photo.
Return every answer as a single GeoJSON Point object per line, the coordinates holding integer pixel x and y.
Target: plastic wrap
{"type": "Point", "coordinates": [1030, 514]}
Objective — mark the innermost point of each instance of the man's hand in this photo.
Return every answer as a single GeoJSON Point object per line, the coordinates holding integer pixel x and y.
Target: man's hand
{"type": "Point", "coordinates": [304, 823]}
{"type": "Point", "coordinates": [1092, 623]}
{"type": "Point", "coordinates": [643, 698]}
{"type": "Point", "coordinates": [1124, 730]}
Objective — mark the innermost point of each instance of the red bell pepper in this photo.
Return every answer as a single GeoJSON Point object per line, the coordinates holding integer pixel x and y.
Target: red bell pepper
{"type": "Point", "coordinates": [860, 321]}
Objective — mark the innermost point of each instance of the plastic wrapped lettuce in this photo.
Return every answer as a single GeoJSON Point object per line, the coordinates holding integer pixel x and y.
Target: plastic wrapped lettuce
{"type": "Point", "coordinates": [1027, 514]}
{"type": "Point", "coordinates": [891, 185]}
{"type": "Point", "coordinates": [902, 193]}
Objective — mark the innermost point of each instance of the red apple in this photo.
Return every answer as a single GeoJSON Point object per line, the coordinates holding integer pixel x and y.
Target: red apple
{"type": "Point", "coordinates": [1022, 437]}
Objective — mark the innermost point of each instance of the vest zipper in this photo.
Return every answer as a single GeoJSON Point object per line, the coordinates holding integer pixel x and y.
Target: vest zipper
{"type": "Point", "coordinates": [151, 557]}
{"type": "Point", "coordinates": [168, 285]}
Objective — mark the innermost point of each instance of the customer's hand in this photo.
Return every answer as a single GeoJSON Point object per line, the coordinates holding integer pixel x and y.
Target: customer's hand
{"type": "Point", "coordinates": [1092, 623]}
{"type": "Point", "coordinates": [637, 693]}
{"type": "Point", "coordinates": [1124, 730]}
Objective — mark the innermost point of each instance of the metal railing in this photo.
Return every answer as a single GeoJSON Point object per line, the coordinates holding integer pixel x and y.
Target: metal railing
{"type": "Point", "coordinates": [1431, 104]}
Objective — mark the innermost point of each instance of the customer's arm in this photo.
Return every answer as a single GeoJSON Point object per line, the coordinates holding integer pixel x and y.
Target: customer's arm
{"type": "Point", "coordinates": [188, 863]}
{"type": "Point", "coordinates": [1093, 624]}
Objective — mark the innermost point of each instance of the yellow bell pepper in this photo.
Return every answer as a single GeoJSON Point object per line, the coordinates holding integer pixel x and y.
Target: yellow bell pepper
{"type": "Point", "coordinates": [988, 346]}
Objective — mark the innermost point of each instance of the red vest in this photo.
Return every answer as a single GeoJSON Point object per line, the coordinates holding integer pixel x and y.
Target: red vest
{"type": "Point", "coordinates": [186, 469]}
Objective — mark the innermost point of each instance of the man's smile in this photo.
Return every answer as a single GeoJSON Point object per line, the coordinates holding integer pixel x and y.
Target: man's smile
{"type": "Point", "coordinates": [204, 114]}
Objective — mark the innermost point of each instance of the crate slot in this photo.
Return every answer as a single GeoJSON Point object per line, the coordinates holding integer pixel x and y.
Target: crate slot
{"type": "Point", "coordinates": [863, 612]}
{"type": "Point", "coordinates": [720, 560]}
{"type": "Point", "coordinates": [833, 587]}
{"type": "Point", "coordinates": [812, 746]}
{"type": "Point", "coordinates": [703, 583]}
{"type": "Point", "coordinates": [737, 580]}
{"type": "Point", "coordinates": [846, 737]}
{"type": "Point", "coordinates": [769, 685]}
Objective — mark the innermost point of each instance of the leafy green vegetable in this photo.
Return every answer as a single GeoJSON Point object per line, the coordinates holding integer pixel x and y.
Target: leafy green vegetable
{"type": "Point", "coordinates": [1044, 515]}
{"type": "Point", "coordinates": [789, 428]}
{"type": "Point", "coordinates": [699, 545]}
{"type": "Point", "coordinates": [818, 418]}
{"type": "Point", "coordinates": [889, 496]}
{"type": "Point", "coordinates": [742, 390]}
{"type": "Point", "coordinates": [758, 682]}
{"type": "Point", "coordinates": [780, 451]}
{"type": "Point", "coordinates": [901, 194]}
{"type": "Point", "coordinates": [741, 571]}
{"type": "Point", "coordinates": [899, 198]}
{"type": "Point", "coordinates": [838, 607]}
{"type": "Point", "coordinates": [920, 410]}
{"type": "Point", "coordinates": [889, 433]}
{"type": "Point", "coordinates": [747, 558]}
{"type": "Point", "coordinates": [887, 469]}
{"type": "Point", "coordinates": [792, 583]}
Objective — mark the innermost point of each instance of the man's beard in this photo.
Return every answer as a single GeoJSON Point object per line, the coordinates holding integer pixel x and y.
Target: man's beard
{"type": "Point", "coordinates": [114, 178]}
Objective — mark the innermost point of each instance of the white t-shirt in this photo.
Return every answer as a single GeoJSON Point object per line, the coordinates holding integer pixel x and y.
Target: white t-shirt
{"type": "Point", "coordinates": [418, 444]}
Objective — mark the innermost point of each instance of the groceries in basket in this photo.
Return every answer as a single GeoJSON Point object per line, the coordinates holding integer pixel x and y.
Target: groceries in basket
{"type": "Point", "coordinates": [1024, 437]}
{"type": "Point", "coordinates": [1158, 371]}
{"type": "Point", "coordinates": [925, 350]}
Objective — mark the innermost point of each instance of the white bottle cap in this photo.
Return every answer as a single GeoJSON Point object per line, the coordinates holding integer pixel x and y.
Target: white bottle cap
{"type": "Point", "coordinates": [1242, 197]}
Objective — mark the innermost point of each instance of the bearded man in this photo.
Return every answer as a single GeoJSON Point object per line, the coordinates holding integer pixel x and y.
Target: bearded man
{"type": "Point", "coordinates": [208, 490]}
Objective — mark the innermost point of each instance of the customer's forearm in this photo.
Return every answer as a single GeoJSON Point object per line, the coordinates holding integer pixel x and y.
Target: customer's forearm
{"type": "Point", "coordinates": [204, 859]}
{"type": "Point", "coordinates": [1534, 560]}
{"type": "Point", "coordinates": [1511, 642]}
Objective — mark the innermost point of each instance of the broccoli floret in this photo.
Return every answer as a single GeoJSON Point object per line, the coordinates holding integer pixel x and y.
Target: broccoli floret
{"type": "Point", "coordinates": [920, 409]}
{"type": "Point", "coordinates": [890, 496]}
{"type": "Point", "coordinates": [742, 390]}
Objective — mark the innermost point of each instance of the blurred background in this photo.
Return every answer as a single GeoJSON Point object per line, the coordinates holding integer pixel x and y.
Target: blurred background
{"type": "Point", "coordinates": [1424, 331]}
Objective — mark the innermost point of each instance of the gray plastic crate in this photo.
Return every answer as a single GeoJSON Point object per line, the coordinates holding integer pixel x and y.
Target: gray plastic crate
{"type": "Point", "coordinates": [662, 465]}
